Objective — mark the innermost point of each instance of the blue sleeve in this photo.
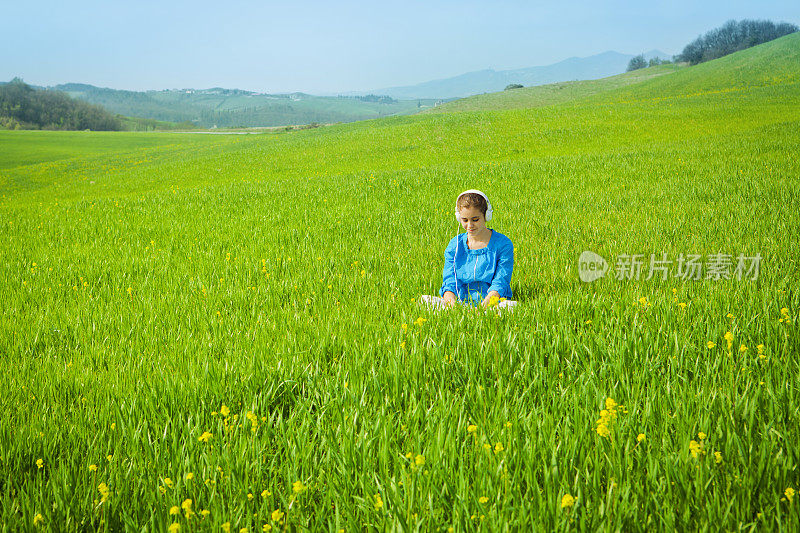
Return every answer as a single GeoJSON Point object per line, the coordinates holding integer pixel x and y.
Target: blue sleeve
{"type": "Point", "coordinates": [448, 276]}
{"type": "Point", "coordinates": [502, 274]}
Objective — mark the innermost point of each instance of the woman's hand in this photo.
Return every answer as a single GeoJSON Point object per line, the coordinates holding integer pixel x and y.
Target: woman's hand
{"type": "Point", "coordinates": [491, 299]}
{"type": "Point", "coordinates": [449, 299]}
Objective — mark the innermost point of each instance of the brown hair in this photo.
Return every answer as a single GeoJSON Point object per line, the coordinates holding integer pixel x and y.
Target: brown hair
{"type": "Point", "coordinates": [472, 199]}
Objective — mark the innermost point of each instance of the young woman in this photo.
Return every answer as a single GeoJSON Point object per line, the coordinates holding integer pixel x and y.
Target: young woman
{"type": "Point", "coordinates": [477, 264]}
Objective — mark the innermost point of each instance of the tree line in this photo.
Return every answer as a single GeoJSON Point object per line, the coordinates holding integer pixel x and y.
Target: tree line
{"type": "Point", "coordinates": [23, 107]}
{"type": "Point", "coordinates": [732, 37]}
{"type": "Point", "coordinates": [728, 38]}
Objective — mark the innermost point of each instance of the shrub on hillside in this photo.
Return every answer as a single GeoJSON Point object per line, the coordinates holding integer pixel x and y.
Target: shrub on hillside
{"type": "Point", "coordinates": [636, 63]}
{"type": "Point", "coordinates": [732, 37]}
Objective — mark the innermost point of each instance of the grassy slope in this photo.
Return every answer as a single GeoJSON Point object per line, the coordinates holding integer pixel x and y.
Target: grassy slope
{"type": "Point", "coordinates": [770, 64]}
{"type": "Point", "coordinates": [552, 93]}
{"type": "Point", "coordinates": [158, 309]}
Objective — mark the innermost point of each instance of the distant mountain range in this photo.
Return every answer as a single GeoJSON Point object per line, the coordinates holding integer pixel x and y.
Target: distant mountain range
{"type": "Point", "coordinates": [219, 107]}
{"type": "Point", "coordinates": [489, 81]}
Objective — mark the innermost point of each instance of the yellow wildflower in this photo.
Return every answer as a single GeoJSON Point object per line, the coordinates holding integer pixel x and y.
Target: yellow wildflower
{"type": "Point", "coordinates": [189, 476]}
{"type": "Point", "coordinates": [104, 491]}
{"type": "Point", "coordinates": [265, 493]}
{"type": "Point", "coordinates": [701, 436]}
{"type": "Point", "coordinates": [174, 510]}
{"type": "Point", "coordinates": [607, 417]}
{"type": "Point", "coordinates": [226, 527]}
{"type": "Point", "coordinates": [472, 428]}
{"type": "Point", "coordinates": [567, 501]}
{"type": "Point", "coordinates": [38, 519]}
{"type": "Point", "coordinates": [93, 468]}
{"type": "Point", "coordinates": [378, 502]}
{"type": "Point", "coordinates": [266, 527]}
{"type": "Point", "coordinates": [419, 321]}
{"type": "Point", "coordinates": [277, 515]}
{"type": "Point", "coordinates": [696, 448]}
{"type": "Point", "coordinates": [174, 527]}
{"type": "Point", "coordinates": [718, 457]}
{"type": "Point", "coordinates": [710, 344]}
{"type": "Point", "coordinates": [483, 499]}
{"type": "Point", "coordinates": [39, 463]}
{"type": "Point", "coordinates": [187, 508]}
{"type": "Point", "coordinates": [206, 436]}
{"type": "Point", "coordinates": [789, 492]}
{"type": "Point", "coordinates": [419, 460]}
{"type": "Point", "coordinates": [640, 437]}
{"type": "Point", "coordinates": [224, 411]}
{"type": "Point", "coordinates": [167, 482]}
{"type": "Point", "coordinates": [205, 512]}
{"type": "Point", "coordinates": [508, 424]}
{"type": "Point", "coordinates": [498, 447]}
{"type": "Point", "coordinates": [742, 348]}
{"type": "Point", "coordinates": [729, 338]}
{"type": "Point", "coordinates": [298, 487]}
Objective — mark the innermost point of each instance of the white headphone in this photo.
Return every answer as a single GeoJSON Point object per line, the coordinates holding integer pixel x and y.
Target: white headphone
{"type": "Point", "coordinates": [488, 203]}
{"type": "Point", "coordinates": [458, 217]}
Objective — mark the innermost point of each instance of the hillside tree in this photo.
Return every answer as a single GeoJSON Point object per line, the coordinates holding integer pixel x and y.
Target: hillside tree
{"type": "Point", "coordinates": [636, 63]}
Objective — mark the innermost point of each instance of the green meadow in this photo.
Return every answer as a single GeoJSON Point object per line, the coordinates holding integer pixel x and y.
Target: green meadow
{"type": "Point", "coordinates": [222, 332]}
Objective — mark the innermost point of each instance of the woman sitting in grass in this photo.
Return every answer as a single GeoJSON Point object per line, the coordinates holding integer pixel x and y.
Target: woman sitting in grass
{"type": "Point", "coordinates": [478, 263]}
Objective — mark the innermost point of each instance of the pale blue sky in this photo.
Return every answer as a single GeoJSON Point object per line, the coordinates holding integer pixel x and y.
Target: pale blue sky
{"type": "Point", "coordinates": [328, 47]}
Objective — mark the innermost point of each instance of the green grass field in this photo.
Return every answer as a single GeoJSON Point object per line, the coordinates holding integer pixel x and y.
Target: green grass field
{"type": "Point", "coordinates": [210, 333]}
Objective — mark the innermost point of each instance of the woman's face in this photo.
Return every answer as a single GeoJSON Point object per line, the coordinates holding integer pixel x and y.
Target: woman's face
{"type": "Point", "coordinates": [472, 220]}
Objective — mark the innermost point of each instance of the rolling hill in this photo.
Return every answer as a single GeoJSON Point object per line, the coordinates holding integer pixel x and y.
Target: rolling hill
{"type": "Point", "coordinates": [770, 64]}
{"type": "Point", "coordinates": [218, 107]}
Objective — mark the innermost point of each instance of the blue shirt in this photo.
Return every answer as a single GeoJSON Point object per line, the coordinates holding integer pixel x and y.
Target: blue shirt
{"type": "Point", "coordinates": [478, 271]}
